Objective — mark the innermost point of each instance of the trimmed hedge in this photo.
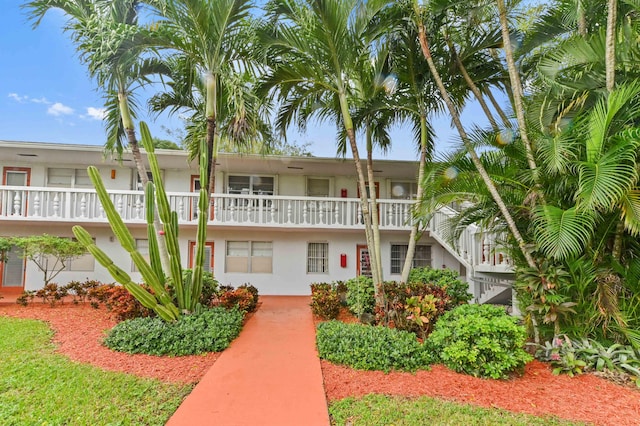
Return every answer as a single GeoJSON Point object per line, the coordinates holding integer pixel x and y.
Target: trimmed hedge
{"type": "Point", "coordinates": [481, 340]}
{"type": "Point", "coordinates": [211, 330]}
{"type": "Point", "coordinates": [370, 348]}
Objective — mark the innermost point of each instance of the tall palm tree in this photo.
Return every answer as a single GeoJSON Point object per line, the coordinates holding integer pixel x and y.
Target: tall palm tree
{"type": "Point", "coordinates": [316, 48]}
{"type": "Point", "coordinates": [418, 15]}
{"type": "Point", "coordinates": [210, 36]}
{"type": "Point", "coordinates": [113, 45]}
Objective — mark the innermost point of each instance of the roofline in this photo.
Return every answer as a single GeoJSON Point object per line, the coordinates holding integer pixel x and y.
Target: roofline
{"type": "Point", "coordinates": [100, 149]}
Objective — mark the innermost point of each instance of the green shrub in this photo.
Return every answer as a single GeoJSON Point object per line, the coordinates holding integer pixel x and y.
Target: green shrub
{"type": "Point", "coordinates": [481, 340]}
{"type": "Point", "coordinates": [361, 295]}
{"type": "Point", "coordinates": [367, 347]}
{"type": "Point", "coordinates": [211, 330]}
{"type": "Point", "coordinates": [414, 307]}
{"type": "Point", "coordinates": [457, 290]}
{"type": "Point", "coordinates": [325, 301]}
{"type": "Point", "coordinates": [209, 286]}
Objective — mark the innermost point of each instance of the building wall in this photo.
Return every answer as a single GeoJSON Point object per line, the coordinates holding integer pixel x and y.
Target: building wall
{"type": "Point", "coordinates": [289, 274]}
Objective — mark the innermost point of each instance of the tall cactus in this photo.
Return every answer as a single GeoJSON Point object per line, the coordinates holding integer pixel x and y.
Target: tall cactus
{"type": "Point", "coordinates": [187, 294]}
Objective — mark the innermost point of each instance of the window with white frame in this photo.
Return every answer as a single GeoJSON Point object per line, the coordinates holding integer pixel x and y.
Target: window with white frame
{"type": "Point", "coordinates": [251, 185]}
{"type": "Point", "coordinates": [68, 178]}
{"type": "Point", "coordinates": [249, 257]}
{"type": "Point", "coordinates": [318, 187]}
{"type": "Point", "coordinates": [421, 257]}
{"type": "Point", "coordinates": [142, 246]}
{"type": "Point", "coordinates": [137, 182]}
{"type": "Point", "coordinates": [84, 263]}
{"type": "Point", "coordinates": [403, 190]}
{"type": "Point", "coordinates": [318, 258]}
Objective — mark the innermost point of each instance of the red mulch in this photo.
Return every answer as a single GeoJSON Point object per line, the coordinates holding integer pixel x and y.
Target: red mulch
{"type": "Point", "coordinates": [79, 330]}
{"type": "Point", "coordinates": [585, 398]}
{"type": "Point", "coordinates": [78, 333]}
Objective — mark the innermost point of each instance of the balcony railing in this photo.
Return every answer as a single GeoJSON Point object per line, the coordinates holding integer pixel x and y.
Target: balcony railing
{"type": "Point", "coordinates": [478, 250]}
{"type": "Point", "coordinates": [82, 205]}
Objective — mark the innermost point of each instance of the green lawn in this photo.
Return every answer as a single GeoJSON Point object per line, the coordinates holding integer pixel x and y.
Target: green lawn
{"type": "Point", "coordinates": [40, 387]}
{"type": "Point", "coordinates": [383, 410]}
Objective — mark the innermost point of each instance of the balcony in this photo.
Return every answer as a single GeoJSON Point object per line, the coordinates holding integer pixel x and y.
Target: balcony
{"type": "Point", "coordinates": [83, 205]}
{"type": "Point", "coordinates": [477, 250]}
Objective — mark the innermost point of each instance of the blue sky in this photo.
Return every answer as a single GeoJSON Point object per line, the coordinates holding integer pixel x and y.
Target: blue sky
{"type": "Point", "coordinates": [47, 96]}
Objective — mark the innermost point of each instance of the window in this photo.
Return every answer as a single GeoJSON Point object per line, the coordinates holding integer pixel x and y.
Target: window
{"type": "Point", "coordinates": [251, 185]}
{"type": "Point", "coordinates": [137, 182]}
{"type": "Point", "coordinates": [318, 187]}
{"type": "Point", "coordinates": [143, 248]}
{"type": "Point", "coordinates": [404, 190]}
{"type": "Point", "coordinates": [421, 257]}
{"type": "Point", "coordinates": [68, 178]}
{"type": "Point", "coordinates": [249, 257]}
{"type": "Point", "coordinates": [318, 258]}
{"type": "Point", "coordinates": [85, 262]}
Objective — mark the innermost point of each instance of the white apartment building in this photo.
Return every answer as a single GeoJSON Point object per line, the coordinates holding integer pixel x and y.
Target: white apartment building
{"type": "Point", "coordinates": [279, 223]}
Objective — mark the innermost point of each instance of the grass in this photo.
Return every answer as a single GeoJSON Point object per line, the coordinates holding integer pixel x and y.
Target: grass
{"type": "Point", "coordinates": [40, 387]}
{"type": "Point", "coordinates": [384, 410]}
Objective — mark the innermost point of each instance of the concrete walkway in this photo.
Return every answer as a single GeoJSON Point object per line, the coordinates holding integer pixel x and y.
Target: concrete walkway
{"type": "Point", "coordinates": [270, 375]}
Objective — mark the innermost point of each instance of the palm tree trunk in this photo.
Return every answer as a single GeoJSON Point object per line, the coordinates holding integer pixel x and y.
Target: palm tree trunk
{"type": "Point", "coordinates": [375, 221]}
{"type": "Point", "coordinates": [498, 108]}
{"type": "Point", "coordinates": [610, 55]}
{"type": "Point", "coordinates": [364, 199]}
{"type": "Point", "coordinates": [426, 51]}
{"type": "Point", "coordinates": [209, 181]}
{"type": "Point", "coordinates": [516, 87]}
{"type": "Point", "coordinates": [616, 252]}
{"type": "Point", "coordinates": [582, 20]}
{"type": "Point", "coordinates": [411, 247]}
{"type": "Point", "coordinates": [472, 85]}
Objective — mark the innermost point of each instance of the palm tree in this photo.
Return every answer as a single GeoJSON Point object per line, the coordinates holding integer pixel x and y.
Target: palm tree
{"type": "Point", "coordinates": [112, 44]}
{"type": "Point", "coordinates": [210, 37]}
{"type": "Point", "coordinates": [316, 48]}
{"type": "Point", "coordinates": [418, 16]}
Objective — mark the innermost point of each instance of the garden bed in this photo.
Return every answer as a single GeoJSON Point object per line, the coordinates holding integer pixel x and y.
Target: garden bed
{"type": "Point", "coordinates": [79, 330]}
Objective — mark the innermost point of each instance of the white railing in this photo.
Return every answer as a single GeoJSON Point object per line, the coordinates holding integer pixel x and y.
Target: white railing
{"type": "Point", "coordinates": [81, 205]}
{"type": "Point", "coordinates": [477, 250]}
{"type": "Point", "coordinates": [475, 247]}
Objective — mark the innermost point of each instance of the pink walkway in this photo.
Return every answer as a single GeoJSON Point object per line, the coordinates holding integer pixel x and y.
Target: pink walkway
{"type": "Point", "coordinates": [270, 375]}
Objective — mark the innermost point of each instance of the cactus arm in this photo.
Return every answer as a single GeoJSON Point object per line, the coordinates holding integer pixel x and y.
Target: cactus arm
{"type": "Point", "coordinates": [200, 243]}
{"type": "Point", "coordinates": [154, 250]}
{"type": "Point", "coordinates": [143, 296]}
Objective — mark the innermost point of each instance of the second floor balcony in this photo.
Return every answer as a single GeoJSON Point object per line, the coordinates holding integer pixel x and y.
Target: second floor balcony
{"type": "Point", "coordinates": [82, 205]}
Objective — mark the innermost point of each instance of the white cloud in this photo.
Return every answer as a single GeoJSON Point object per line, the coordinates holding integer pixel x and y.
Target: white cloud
{"type": "Point", "coordinates": [59, 109]}
{"type": "Point", "coordinates": [17, 97]}
{"type": "Point", "coordinates": [95, 113]}
{"type": "Point", "coordinates": [26, 98]}
{"type": "Point", "coordinates": [42, 100]}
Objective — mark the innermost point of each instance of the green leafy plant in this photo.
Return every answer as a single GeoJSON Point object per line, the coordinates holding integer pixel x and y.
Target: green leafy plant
{"type": "Point", "coordinates": [457, 290]}
{"type": "Point", "coordinates": [481, 340]}
{"type": "Point", "coordinates": [211, 330]}
{"type": "Point", "coordinates": [404, 301]}
{"type": "Point", "coordinates": [325, 301]}
{"type": "Point", "coordinates": [187, 293]}
{"type": "Point", "coordinates": [368, 347]}
{"type": "Point", "coordinates": [49, 253]}
{"type": "Point", "coordinates": [361, 296]}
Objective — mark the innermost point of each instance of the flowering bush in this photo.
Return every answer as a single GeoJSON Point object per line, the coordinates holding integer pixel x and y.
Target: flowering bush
{"type": "Point", "coordinates": [240, 298]}
{"type": "Point", "coordinates": [325, 301]}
